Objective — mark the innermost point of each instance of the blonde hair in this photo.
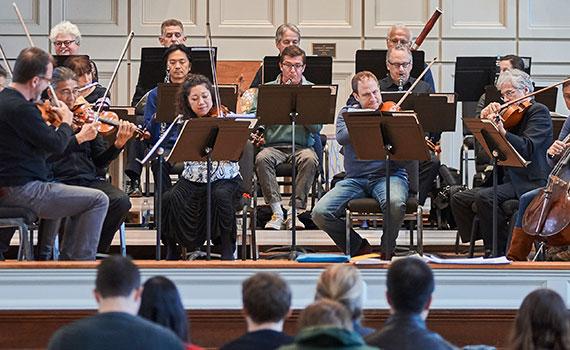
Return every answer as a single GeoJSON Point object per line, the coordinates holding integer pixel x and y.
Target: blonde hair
{"type": "Point", "coordinates": [65, 27]}
{"type": "Point", "coordinates": [344, 284]}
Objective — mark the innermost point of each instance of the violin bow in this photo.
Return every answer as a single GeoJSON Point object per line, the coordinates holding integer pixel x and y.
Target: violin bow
{"type": "Point", "coordinates": [213, 68]}
{"type": "Point", "coordinates": [8, 68]}
{"type": "Point", "coordinates": [507, 104]}
{"type": "Point", "coordinates": [23, 23]}
{"type": "Point", "coordinates": [409, 91]}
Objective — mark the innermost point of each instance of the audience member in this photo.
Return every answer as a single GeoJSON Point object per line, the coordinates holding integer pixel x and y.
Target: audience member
{"type": "Point", "coordinates": [160, 303]}
{"type": "Point", "coordinates": [344, 284]}
{"type": "Point", "coordinates": [326, 324]}
{"type": "Point", "coordinates": [542, 322]}
{"type": "Point", "coordinates": [410, 285]}
{"type": "Point", "coordinates": [266, 304]}
{"type": "Point", "coordinates": [116, 326]}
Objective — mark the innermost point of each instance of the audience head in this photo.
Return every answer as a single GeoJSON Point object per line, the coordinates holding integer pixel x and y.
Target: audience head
{"type": "Point", "coordinates": [326, 313]}
{"type": "Point", "coordinates": [510, 62]}
{"type": "Point", "coordinates": [287, 34]}
{"type": "Point", "coordinates": [171, 33]}
{"type": "Point", "coordinates": [398, 35]}
{"type": "Point", "coordinates": [410, 284]}
{"type": "Point", "coordinates": [3, 77]}
{"type": "Point", "coordinates": [161, 303]}
{"type": "Point", "coordinates": [542, 322]}
{"type": "Point", "coordinates": [64, 82]}
{"type": "Point", "coordinates": [66, 38]}
{"type": "Point", "coordinates": [118, 278]}
{"type": "Point", "coordinates": [196, 97]}
{"type": "Point", "coordinates": [178, 63]}
{"type": "Point", "coordinates": [365, 90]}
{"type": "Point", "coordinates": [343, 284]}
{"type": "Point", "coordinates": [33, 68]}
{"type": "Point", "coordinates": [292, 64]}
{"type": "Point", "coordinates": [266, 298]}
{"type": "Point", "coordinates": [514, 83]}
{"type": "Point", "coordinates": [399, 63]}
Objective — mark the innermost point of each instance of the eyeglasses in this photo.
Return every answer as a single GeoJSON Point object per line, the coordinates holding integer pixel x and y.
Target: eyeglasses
{"type": "Point", "coordinates": [65, 43]}
{"type": "Point", "coordinates": [68, 92]}
{"type": "Point", "coordinates": [396, 41]}
{"type": "Point", "coordinates": [404, 65]}
{"type": "Point", "coordinates": [508, 94]}
{"type": "Point", "coordinates": [289, 65]}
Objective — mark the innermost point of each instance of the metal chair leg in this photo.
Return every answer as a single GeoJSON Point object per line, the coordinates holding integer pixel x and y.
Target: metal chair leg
{"type": "Point", "coordinates": [123, 239]}
{"type": "Point", "coordinates": [348, 227]}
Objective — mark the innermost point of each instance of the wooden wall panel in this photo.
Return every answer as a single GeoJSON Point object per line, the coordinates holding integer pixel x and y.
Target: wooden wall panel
{"type": "Point", "coordinates": [382, 14]}
{"type": "Point", "coordinates": [147, 15]}
{"type": "Point", "coordinates": [482, 18]}
{"type": "Point", "coordinates": [544, 19]}
{"type": "Point", "coordinates": [242, 19]}
{"type": "Point", "coordinates": [103, 17]}
{"type": "Point", "coordinates": [341, 18]}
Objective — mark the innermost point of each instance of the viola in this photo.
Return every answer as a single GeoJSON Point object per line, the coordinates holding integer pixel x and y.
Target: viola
{"type": "Point", "coordinates": [216, 112]}
{"type": "Point", "coordinates": [389, 106]}
{"type": "Point", "coordinates": [48, 114]}
{"type": "Point", "coordinates": [109, 121]}
{"type": "Point", "coordinates": [513, 114]}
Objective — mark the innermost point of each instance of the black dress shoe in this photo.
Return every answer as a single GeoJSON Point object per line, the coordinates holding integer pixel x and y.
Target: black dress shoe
{"type": "Point", "coordinates": [134, 188]}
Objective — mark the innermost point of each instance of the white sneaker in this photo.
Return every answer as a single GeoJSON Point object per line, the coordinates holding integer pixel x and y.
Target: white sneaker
{"type": "Point", "coordinates": [276, 223]}
{"type": "Point", "coordinates": [298, 223]}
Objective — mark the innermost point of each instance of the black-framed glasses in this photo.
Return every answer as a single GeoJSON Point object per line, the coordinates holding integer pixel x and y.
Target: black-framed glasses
{"type": "Point", "coordinates": [290, 65]}
{"type": "Point", "coordinates": [65, 43]}
{"type": "Point", "coordinates": [404, 65]}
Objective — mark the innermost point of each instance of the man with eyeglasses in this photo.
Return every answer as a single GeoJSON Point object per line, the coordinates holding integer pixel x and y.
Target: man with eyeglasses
{"type": "Point", "coordinates": [531, 138]}
{"type": "Point", "coordinates": [78, 165]}
{"type": "Point", "coordinates": [276, 147]}
{"type": "Point", "coordinates": [26, 141]}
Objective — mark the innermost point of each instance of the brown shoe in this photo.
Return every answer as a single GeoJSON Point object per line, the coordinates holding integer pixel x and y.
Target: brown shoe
{"type": "Point", "coordinates": [521, 244]}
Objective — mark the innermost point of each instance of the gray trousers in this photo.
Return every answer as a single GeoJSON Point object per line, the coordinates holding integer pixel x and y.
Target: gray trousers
{"type": "Point", "coordinates": [270, 157]}
{"type": "Point", "coordinates": [85, 207]}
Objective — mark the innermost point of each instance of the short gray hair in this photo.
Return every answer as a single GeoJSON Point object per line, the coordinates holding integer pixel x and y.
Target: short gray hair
{"type": "Point", "coordinates": [283, 28]}
{"type": "Point", "coordinates": [397, 26]}
{"type": "Point", "coordinates": [518, 79]}
{"type": "Point", "coordinates": [62, 74]}
{"type": "Point", "coordinates": [405, 49]}
{"type": "Point", "coordinates": [65, 27]}
{"type": "Point", "coordinates": [344, 284]}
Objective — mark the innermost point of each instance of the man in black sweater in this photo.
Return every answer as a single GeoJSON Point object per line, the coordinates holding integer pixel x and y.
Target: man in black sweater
{"type": "Point", "coordinates": [78, 165]}
{"type": "Point", "coordinates": [25, 143]}
{"type": "Point", "coordinates": [118, 293]}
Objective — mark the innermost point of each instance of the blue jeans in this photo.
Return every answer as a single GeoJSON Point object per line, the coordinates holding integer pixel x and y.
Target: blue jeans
{"type": "Point", "coordinates": [524, 202]}
{"type": "Point", "coordinates": [330, 212]}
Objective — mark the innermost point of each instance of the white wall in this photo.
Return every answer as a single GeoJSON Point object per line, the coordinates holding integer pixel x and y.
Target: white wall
{"type": "Point", "coordinates": [244, 30]}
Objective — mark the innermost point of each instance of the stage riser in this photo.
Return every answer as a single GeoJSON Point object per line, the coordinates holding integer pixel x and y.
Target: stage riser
{"type": "Point", "coordinates": [212, 328]}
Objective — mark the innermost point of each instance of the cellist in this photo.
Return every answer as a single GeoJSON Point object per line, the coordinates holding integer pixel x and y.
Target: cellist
{"type": "Point", "coordinates": [521, 242]}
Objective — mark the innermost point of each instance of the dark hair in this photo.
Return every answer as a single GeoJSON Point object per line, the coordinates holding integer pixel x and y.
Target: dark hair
{"type": "Point", "coordinates": [171, 23]}
{"type": "Point", "coordinates": [566, 84]}
{"type": "Point", "coordinates": [176, 47]}
{"type": "Point", "coordinates": [117, 276]}
{"type": "Point", "coordinates": [3, 72]}
{"type": "Point", "coordinates": [161, 304]}
{"type": "Point", "coordinates": [184, 92]}
{"type": "Point", "coordinates": [515, 60]}
{"type": "Point", "coordinates": [31, 62]}
{"type": "Point", "coordinates": [410, 284]}
{"type": "Point", "coordinates": [79, 64]}
{"type": "Point", "coordinates": [542, 322]}
{"type": "Point", "coordinates": [292, 51]}
{"type": "Point", "coordinates": [266, 297]}
{"type": "Point", "coordinates": [325, 312]}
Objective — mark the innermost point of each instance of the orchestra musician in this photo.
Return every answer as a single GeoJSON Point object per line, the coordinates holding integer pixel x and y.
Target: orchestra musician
{"type": "Point", "coordinates": [531, 138]}
{"type": "Point", "coordinates": [521, 242]}
{"type": "Point", "coordinates": [276, 147]}
{"type": "Point", "coordinates": [26, 141]}
{"type": "Point", "coordinates": [78, 165]}
{"type": "Point", "coordinates": [66, 39]}
{"type": "Point", "coordinates": [363, 179]}
{"type": "Point", "coordinates": [184, 205]}
{"type": "Point", "coordinates": [171, 33]}
{"type": "Point", "coordinates": [178, 65]}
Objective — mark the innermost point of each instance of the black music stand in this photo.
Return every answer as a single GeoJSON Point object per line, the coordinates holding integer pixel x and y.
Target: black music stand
{"type": "Point", "coordinates": [292, 105]}
{"type": "Point", "coordinates": [197, 141]}
{"type": "Point", "coordinates": [386, 136]}
{"type": "Point", "coordinates": [318, 69]}
{"type": "Point", "coordinates": [375, 62]}
{"type": "Point", "coordinates": [501, 152]}
{"type": "Point", "coordinates": [166, 102]}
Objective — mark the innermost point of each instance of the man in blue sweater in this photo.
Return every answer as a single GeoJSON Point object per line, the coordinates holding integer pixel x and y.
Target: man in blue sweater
{"type": "Point", "coordinates": [364, 178]}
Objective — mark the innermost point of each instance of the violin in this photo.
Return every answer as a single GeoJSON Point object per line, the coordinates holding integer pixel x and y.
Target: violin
{"type": "Point", "coordinates": [217, 112]}
{"type": "Point", "coordinates": [48, 114]}
{"type": "Point", "coordinates": [109, 121]}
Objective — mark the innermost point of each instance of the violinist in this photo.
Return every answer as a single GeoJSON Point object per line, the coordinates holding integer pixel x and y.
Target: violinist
{"type": "Point", "coordinates": [184, 205]}
{"type": "Point", "coordinates": [364, 178]}
{"type": "Point", "coordinates": [531, 138]}
{"type": "Point", "coordinates": [276, 147]}
{"type": "Point", "coordinates": [25, 143]}
{"type": "Point", "coordinates": [178, 64]}
{"type": "Point", "coordinates": [78, 165]}
{"type": "Point", "coordinates": [521, 242]}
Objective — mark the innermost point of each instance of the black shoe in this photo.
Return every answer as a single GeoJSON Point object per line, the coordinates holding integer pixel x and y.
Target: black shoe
{"type": "Point", "coordinates": [134, 188]}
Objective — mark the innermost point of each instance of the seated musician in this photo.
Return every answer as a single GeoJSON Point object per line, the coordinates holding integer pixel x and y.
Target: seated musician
{"type": "Point", "coordinates": [178, 64]}
{"type": "Point", "coordinates": [171, 33]}
{"type": "Point", "coordinates": [25, 143]}
{"type": "Point", "coordinates": [276, 147]}
{"type": "Point", "coordinates": [78, 165]}
{"type": "Point", "coordinates": [66, 40]}
{"type": "Point", "coordinates": [363, 179]}
{"type": "Point", "coordinates": [184, 205]}
{"type": "Point", "coordinates": [521, 242]}
{"type": "Point", "coordinates": [92, 93]}
{"type": "Point", "coordinates": [531, 138]}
